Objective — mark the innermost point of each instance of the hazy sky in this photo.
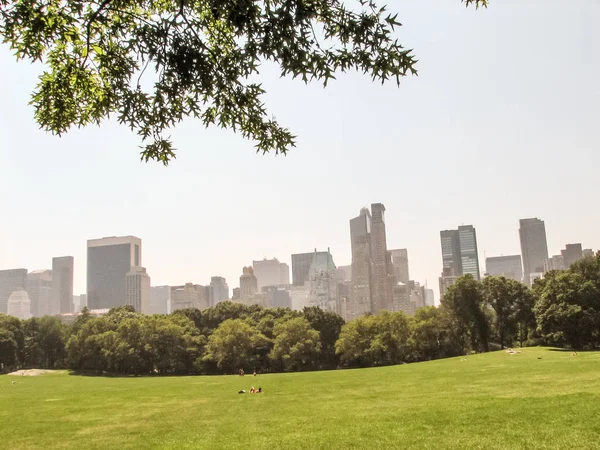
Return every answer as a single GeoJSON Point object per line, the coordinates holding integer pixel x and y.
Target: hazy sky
{"type": "Point", "coordinates": [500, 124]}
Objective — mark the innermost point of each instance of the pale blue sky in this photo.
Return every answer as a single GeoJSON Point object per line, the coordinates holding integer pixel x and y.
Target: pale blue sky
{"type": "Point", "coordinates": [500, 124]}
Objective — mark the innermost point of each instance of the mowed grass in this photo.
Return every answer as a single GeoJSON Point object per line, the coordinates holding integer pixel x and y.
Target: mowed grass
{"type": "Point", "coordinates": [489, 401]}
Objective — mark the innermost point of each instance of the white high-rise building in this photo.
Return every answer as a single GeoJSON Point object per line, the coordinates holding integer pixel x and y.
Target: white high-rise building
{"type": "Point", "coordinates": [19, 305]}
{"type": "Point", "coordinates": [39, 289]}
{"type": "Point", "coordinates": [137, 284]}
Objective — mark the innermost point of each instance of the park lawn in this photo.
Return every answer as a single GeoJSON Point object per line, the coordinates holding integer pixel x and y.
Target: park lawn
{"type": "Point", "coordinates": [489, 401]}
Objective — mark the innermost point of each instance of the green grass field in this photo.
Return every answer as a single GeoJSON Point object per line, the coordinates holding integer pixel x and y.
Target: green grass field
{"type": "Point", "coordinates": [490, 401]}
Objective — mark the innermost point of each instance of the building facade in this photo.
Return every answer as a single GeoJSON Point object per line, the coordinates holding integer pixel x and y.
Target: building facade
{"type": "Point", "coordinates": [248, 283]}
{"type": "Point", "coordinates": [160, 299]}
{"type": "Point", "coordinates": [301, 263]}
{"type": "Point", "coordinates": [399, 259]}
{"type": "Point", "coordinates": [109, 260]}
{"type": "Point", "coordinates": [137, 285]}
{"type": "Point", "coordinates": [322, 282]}
{"type": "Point", "coordinates": [11, 280]}
{"type": "Point", "coordinates": [19, 305]}
{"type": "Point", "coordinates": [359, 302]}
{"type": "Point", "coordinates": [188, 296]}
{"type": "Point", "coordinates": [271, 272]}
{"type": "Point", "coordinates": [62, 284]}
{"type": "Point", "coordinates": [219, 290]}
{"type": "Point", "coordinates": [451, 258]}
{"type": "Point", "coordinates": [39, 289]}
{"type": "Point", "coordinates": [571, 253]}
{"type": "Point", "coordinates": [469, 256]}
{"type": "Point", "coordinates": [556, 262]}
{"type": "Point", "coordinates": [506, 266]}
{"type": "Point", "coordinates": [534, 247]}
{"type": "Point", "coordinates": [381, 292]}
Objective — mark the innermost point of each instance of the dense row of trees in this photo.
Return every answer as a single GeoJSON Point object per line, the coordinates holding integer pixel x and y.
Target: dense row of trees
{"type": "Point", "coordinates": [561, 309]}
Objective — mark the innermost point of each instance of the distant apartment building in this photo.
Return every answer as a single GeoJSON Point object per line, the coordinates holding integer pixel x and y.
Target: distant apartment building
{"type": "Point", "coordinates": [78, 303]}
{"type": "Point", "coordinates": [534, 247]}
{"type": "Point", "coordinates": [277, 296]}
{"type": "Point", "coordinates": [189, 296]}
{"type": "Point", "coordinates": [446, 280]}
{"type": "Point", "coordinates": [219, 291]}
{"type": "Point", "coordinates": [556, 262]}
{"type": "Point", "coordinates": [300, 297]}
{"type": "Point", "coordinates": [248, 283]}
{"type": "Point", "coordinates": [322, 282]}
{"type": "Point", "coordinates": [402, 299]}
{"type": "Point", "coordinates": [137, 286]}
{"type": "Point", "coordinates": [109, 260]}
{"type": "Point", "coordinates": [39, 289]}
{"type": "Point", "coordinates": [588, 253]}
{"type": "Point", "coordinates": [429, 297]}
{"type": "Point", "coordinates": [571, 253]}
{"type": "Point", "coordinates": [160, 298]}
{"type": "Point", "coordinates": [343, 273]}
{"type": "Point", "coordinates": [62, 285]}
{"type": "Point", "coordinates": [399, 259]}
{"type": "Point", "coordinates": [11, 280]}
{"type": "Point", "coordinates": [271, 272]}
{"type": "Point", "coordinates": [506, 266]}
{"type": "Point", "coordinates": [19, 305]}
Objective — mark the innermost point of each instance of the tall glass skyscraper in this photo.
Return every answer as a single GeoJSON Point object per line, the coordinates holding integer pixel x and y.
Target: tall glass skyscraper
{"type": "Point", "coordinates": [534, 247]}
{"type": "Point", "coordinates": [459, 252]}
{"type": "Point", "coordinates": [109, 260]}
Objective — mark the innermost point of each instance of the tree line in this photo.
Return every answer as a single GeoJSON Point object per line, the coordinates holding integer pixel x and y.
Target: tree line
{"type": "Point", "coordinates": [562, 309]}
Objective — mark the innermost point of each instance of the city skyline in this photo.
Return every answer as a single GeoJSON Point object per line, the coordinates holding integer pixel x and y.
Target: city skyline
{"type": "Point", "coordinates": [477, 145]}
{"type": "Point", "coordinates": [135, 255]}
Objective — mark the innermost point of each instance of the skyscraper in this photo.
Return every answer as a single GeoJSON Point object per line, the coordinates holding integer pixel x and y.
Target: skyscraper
{"type": "Point", "coordinates": [507, 266]}
{"type": "Point", "coordinates": [248, 283]}
{"type": "Point", "coordinates": [588, 253]}
{"type": "Point", "coordinates": [109, 261]}
{"type": "Point", "coordinates": [534, 247]}
{"type": "Point", "coordinates": [39, 289]}
{"type": "Point", "coordinates": [137, 285]}
{"type": "Point", "coordinates": [301, 263]}
{"type": "Point", "coordinates": [270, 272]}
{"type": "Point", "coordinates": [62, 285]}
{"type": "Point", "coordinates": [322, 282]}
{"type": "Point", "coordinates": [381, 291]}
{"type": "Point", "coordinates": [10, 281]}
{"type": "Point", "coordinates": [451, 259]}
{"type": "Point", "coordinates": [400, 265]}
{"type": "Point", "coordinates": [362, 267]}
{"type": "Point", "coordinates": [571, 253]}
{"type": "Point", "coordinates": [219, 290]}
{"type": "Point", "coordinates": [459, 255]}
{"type": "Point", "coordinates": [469, 257]}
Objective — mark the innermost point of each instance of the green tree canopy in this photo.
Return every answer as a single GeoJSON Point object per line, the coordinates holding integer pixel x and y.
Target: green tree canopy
{"type": "Point", "coordinates": [296, 346]}
{"type": "Point", "coordinates": [512, 303]}
{"type": "Point", "coordinates": [568, 308]}
{"type": "Point", "coordinates": [98, 58]}
{"type": "Point", "coordinates": [235, 344]}
{"type": "Point", "coordinates": [465, 302]}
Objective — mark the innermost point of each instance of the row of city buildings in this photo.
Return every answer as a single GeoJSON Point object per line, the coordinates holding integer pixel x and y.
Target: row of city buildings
{"type": "Point", "coordinates": [460, 255]}
{"type": "Point", "coordinates": [378, 279]}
